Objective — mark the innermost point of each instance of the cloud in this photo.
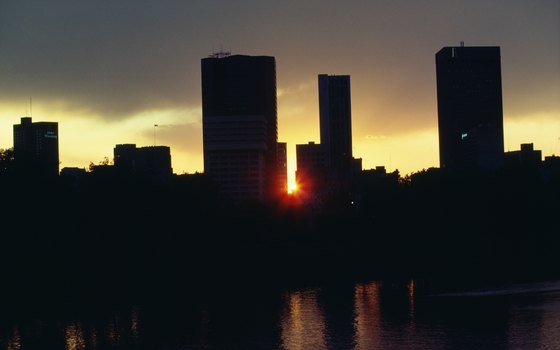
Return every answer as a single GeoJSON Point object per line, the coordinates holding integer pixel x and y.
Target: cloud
{"type": "Point", "coordinates": [185, 137]}
{"type": "Point", "coordinates": [112, 60]}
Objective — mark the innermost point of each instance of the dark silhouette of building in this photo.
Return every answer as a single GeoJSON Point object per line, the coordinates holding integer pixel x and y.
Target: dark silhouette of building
{"type": "Point", "coordinates": [150, 161]}
{"type": "Point", "coordinates": [73, 176]}
{"type": "Point", "coordinates": [551, 168]}
{"type": "Point", "coordinates": [525, 158]}
{"type": "Point", "coordinates": [282, 167]}
{"type": "Point", "coordinates": [336, 127]}
{"type": "Point", "coordinates": [469, 100]}
{"type": "Point", "coordinates": [311, 170]}
{"type": "Point", "coordinates": [36, 148]}
{"type": "Point", "coordinates": [239, 124]}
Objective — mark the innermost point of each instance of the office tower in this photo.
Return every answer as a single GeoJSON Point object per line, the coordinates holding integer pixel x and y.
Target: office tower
{"type": "Point", "coordinates": [282, 157]}
{"type": "Point", "coordinates": [239, 125]}
{"type": "Point", "coordinates": [336, 126]}
{"type": "Point", "coordinates": [36, 148]}
{"type": "Point", "coordinates": [150, 161]}
{"type": "Point", "coordinates": [469, 100]}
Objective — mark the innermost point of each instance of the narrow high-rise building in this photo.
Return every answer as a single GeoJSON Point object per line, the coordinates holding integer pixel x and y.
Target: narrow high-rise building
{"type": "Point", "coordinates": [282, 151]}
{"type": "Point", "coordinates": [36, 148]}
{"type": "Point", "coordinates": [336, 127]}
{"type": "Point", "coordinates": [239, 124]}
{"type": "Point", "coordinates": [469, 100]}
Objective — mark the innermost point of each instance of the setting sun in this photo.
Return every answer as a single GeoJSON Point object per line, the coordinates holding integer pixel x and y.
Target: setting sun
{"type": "Point", "coordinates": [293, 188]}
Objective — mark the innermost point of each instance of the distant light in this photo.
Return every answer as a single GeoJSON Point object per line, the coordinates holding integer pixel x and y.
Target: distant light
{"type": "Point", "coordinates": [464, 135]}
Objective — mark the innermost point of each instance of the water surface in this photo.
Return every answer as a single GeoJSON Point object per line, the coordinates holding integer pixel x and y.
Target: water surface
{"type": "Point", "coordinates": [370, 315]}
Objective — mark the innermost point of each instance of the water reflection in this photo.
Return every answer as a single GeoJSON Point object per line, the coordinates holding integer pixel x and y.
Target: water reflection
{"type": "Point", "coordinates": [303, 322]}
{"type": "Point", "coordinates": [375, 315]}
{"type": "Point", "coordinates": [385, 316]}
{"type": "Point", "coordinates": [93, 338]}
{"type": "Point", "coordinates": [74, 336]}
{"type": "Point", "coordinates": [113, 332]}
{"type": "Point", "coordinates": [368, 320]}
{"type": "Point", "coordinates": [411, 290]}
{"type": "Point", "coordinates": [14, 340]}
{"type": "Point", "coordinates": [134, 324]}
{"type": "Point", "coordinates": [550, 323]}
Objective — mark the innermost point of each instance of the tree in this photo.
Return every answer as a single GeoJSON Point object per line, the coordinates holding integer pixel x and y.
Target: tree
{"type": "Point", "coordinates": [6, 160]}
{"type": "Point", "coordinates": [104, 162]}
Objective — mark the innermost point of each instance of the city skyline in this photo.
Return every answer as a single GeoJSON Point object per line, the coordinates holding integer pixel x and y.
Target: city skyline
{"type": "Point", "coordinates": [140, 66]}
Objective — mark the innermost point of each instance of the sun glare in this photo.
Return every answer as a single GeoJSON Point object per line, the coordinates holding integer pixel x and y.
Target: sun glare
{"type": "Point", "coordinates": [292, 188]}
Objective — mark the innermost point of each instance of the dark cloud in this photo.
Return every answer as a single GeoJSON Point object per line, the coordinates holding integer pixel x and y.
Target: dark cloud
{"type": "Point", "coordinates": [117, 58]}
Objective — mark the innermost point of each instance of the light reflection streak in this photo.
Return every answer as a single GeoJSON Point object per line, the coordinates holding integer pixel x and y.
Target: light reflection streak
{"type": "Point", "coordinates": [74, 336]}
{"type": "Point", "coordinates": [303, 322]}
{"type": "Point", "coordinates": [93, 338]}
{"type": "Point", "coordinates": [134, 324]}
{"type": "Point", "coordinates": [411, 290]}
{"type": "Point", "coordinates": [113, 333]}
{"type": "Point", "coordinates": [367, 321]}
{"type": "Point", "coordinates": [14, 341]}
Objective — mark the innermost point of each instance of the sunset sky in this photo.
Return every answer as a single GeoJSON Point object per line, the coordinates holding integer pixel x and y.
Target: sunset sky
{"type": "Point", "coordinates": [107, 71]}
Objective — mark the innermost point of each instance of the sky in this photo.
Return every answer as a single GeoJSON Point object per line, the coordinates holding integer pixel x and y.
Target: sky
{"type": "Point", "coordinates": [109, 70]}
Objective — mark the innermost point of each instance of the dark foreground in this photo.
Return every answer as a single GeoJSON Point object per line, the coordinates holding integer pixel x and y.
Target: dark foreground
{"type": "Point", "coordinates": [113, 239]}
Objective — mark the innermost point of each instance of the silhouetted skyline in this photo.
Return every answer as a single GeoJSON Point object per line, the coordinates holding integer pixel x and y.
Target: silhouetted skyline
{"type": "Point", "coordinates": [241, 150]}
{"type": "Point", "coordinates": [108, 72]}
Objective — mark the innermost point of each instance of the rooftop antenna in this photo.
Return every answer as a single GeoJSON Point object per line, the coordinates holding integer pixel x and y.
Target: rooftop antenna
{"type": "Point", "coordinates": [221, 53]}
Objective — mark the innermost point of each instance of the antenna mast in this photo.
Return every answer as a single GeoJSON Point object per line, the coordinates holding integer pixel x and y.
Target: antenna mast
{"type": "Point", "coordinates": [155, 125]}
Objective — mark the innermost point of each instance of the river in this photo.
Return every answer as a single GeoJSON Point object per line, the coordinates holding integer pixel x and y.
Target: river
{"type": "Point", "coordinates": [367, 315]}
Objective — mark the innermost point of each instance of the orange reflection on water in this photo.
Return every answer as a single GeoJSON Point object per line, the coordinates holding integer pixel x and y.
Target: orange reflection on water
{"type": "Point", "coordinates": [134, 324]}
{"type": "Point", "coordinates": [93, 338]}
{"type": "Point", "coordinates": [367, 321]}
{"type": "Point", "coordinates": [74, 336]}
{"type": "Point", "coordinates": [113, 331]}
{"type": "Point", "coordinates": [14, 341]}
{"type": "Point", "coordinates": [303, 322]}
{"type": "Point", "coordinates": [411, 289]}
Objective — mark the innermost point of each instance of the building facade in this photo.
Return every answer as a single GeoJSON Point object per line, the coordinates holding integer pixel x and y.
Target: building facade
{"type": "Point", "coordinates": [311, 170]}
{"type": "Point", "coordinates": [150, 161]}
{"type": "Point", "coordinates": [527, 157]}
{"type": "Point", "coordinates": [282, 151]}
{"type": "Point", "coordinates": [469, 101]}
{"type": "Point", "coordinates": [239, 124]}
{"type": "Point", "coordinates": [36, 148]}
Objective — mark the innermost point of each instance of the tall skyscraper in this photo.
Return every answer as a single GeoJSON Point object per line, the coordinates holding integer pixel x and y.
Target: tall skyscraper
{"type": "Point", "coordinates": [336, 126]}
{"type": "Point", "coordinates": [469, 100]}
{"type": "Point", "coordinates": [239, 124]}
{"type": "Point", "coordinates": [36, 148]}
